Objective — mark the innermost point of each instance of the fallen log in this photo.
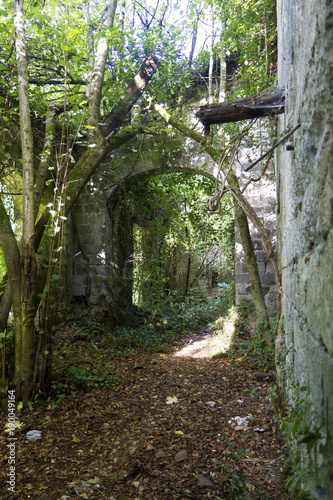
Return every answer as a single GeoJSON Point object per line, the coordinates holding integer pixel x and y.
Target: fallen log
{"type": "Point", "coordinates": [267, 103]}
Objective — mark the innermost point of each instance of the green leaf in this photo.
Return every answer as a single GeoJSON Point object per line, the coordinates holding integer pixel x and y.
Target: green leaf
{"type": "Point", "coordinates": [94, 481]}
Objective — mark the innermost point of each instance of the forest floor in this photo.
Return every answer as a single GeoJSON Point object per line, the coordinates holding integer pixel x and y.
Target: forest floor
{"type": "Point", "coordinates": [177, 425]}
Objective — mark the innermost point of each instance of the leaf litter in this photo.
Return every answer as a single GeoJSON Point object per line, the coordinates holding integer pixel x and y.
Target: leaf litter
{"type": "Point", "coordinates": [164, 432]}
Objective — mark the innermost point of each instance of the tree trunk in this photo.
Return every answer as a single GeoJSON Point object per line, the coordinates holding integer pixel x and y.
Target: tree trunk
{"type": "Point", "coordinates": [24, 371]}
{"type": "Point", "coordinates": [251, 262]}
{"type": "Point", "coordinates": [211, 57]}
{"type": "Point", "coordinates": [223, 68]}
{"type": "Point", "coordinates": [13, 262]}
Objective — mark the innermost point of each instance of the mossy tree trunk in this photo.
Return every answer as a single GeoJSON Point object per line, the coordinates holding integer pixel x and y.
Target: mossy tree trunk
{"type": "Point", "coordinates": [251, 262]}
{"type": "Point", "coordinates": [25, 329]}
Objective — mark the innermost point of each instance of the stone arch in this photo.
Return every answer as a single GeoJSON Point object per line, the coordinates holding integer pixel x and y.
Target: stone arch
{"type": "Point", "coordinates": [99, 229]}
{"type": "Point", "coordinates": [98, 232]}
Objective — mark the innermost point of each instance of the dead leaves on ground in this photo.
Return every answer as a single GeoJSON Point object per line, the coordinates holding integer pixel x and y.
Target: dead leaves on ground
{"type": "Point", "coordinates": [162, 435]}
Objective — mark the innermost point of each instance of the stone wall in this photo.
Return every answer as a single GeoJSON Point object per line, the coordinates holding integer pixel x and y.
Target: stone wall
{"type": "Point", "coordinates": [305, 215]}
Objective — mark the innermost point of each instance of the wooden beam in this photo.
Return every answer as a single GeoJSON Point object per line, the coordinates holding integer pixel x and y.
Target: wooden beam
{"type": "Point", "coordinates": [267, 103]}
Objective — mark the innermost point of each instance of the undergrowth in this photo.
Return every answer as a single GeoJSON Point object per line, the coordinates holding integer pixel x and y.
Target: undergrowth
{"type": "Point", "coordinates": [79, 362]}
{"type": "Point", "coordinates": [246, 342]}
{"type": "Point", "coordinates": [308, 450]}
{"type": "Point", "coordinates": [233, 483]}
{"type": "Point", "coordinates": [165, 326]}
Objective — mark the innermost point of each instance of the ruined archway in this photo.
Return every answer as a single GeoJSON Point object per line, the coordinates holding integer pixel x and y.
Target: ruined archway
{"type": "Point", "coordinates": [99, 231]}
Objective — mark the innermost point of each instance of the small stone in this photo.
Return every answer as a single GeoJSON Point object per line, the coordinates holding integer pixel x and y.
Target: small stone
{"type": "Point", "coordinates": [205, 482]}
{"type": "Point", "coordinates": [181, 455]}
{"type": "Point", "coordinates": [33, 435]}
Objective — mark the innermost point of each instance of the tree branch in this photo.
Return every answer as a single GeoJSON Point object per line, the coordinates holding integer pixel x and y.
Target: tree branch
{"type": "Point", "coordinates": [284, 138]}
{"type": "Point", "coordinates": [134, 90]}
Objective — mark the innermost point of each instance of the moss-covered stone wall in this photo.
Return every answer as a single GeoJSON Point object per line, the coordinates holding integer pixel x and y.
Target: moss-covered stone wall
{"type": "Point", "coordinates": [305, 191]}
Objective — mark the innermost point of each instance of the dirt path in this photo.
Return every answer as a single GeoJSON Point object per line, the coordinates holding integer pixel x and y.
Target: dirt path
{"type": "Point", "coordinates": [166, 433]}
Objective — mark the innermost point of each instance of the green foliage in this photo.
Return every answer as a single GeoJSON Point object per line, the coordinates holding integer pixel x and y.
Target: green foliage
{"type": "Point", "coordinates": [170, 319]}
{"type": "Point", "coordinates": [235, 485]}
{"type": "Point", "coordinates": [173, 227]}
{"type": "Point", "coordinates": [309, 450]}
{"type": "Point", "coordinates": [248, 342]}
{"type": "Point", "coordinates": [81, 367]}
{"type": "Point", "coordinates": [250, 37]}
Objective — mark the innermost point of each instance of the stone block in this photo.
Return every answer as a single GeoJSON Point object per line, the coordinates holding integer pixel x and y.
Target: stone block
{"type": "Point", "coordinates": [243, 289]}
{"type": "Point", "coordinates": [265, 289]}
{"type": "Point", "coordinates": [238, 267]}
{"type": "Point", "coordinates": [261, 256]}
{"type": "Point", "coordinates": [240, 298]}
{"type": "Point", "coordinates": [78, 290]}
{"type": "Point", "coordinates": [242, 278]}
{"type": "Point", "coordinates": [261, 267]}
{"type": "Point", "coordinates": [268, 279]}
{"type": "Point", "coordinates": [79, 269]}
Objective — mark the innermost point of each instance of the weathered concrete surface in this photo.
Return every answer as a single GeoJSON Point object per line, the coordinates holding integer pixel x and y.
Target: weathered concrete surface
{"type": "Point", "coordinates": [305, 235]}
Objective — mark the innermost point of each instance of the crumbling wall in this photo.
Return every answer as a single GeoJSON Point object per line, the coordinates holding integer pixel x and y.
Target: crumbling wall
{"type": "Point", "coordinates": [305, 213]}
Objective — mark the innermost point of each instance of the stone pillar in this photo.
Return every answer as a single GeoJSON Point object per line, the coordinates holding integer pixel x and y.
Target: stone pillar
{"type": "Point", "coordinates": [88, 250]}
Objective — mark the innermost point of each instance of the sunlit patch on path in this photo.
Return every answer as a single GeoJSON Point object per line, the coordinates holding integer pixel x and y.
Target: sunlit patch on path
{"type": "Point", "coordinates": [196, 348]}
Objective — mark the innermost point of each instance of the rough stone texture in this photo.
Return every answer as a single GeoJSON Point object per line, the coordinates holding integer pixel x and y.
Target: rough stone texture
{"type": "Point", "coordinates": [305, 236]}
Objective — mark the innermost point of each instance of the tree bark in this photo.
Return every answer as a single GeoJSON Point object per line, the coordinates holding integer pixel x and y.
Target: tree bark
{"type": "Point", "coordinates": [24, 370]}
{"type": "Point", "coordinates": [251, 262]}
{"type": "Point", "coordinates": [97, 78]}
{"type": "Point", "coordinates": [133, 92]}
{"type": "Point", "coordinates": [211, 56]}
{"type": "Point", "coordinates": [267, 103]}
